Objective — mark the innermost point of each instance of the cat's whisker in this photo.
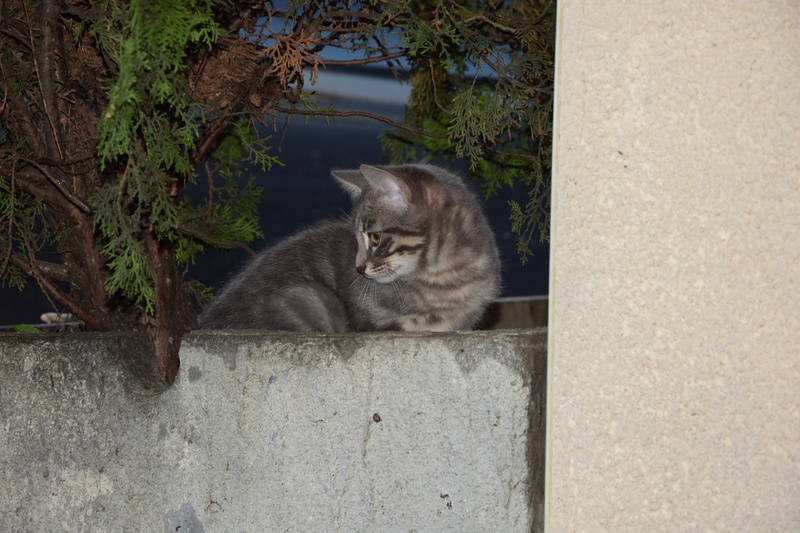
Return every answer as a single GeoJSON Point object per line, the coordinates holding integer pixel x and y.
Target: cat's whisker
{"type": "Point", "coordinates": [400, 296]}
{"type": "Point", "coordinates": [374, 293]}
{"type": "Point", "coordinates": [398, 284]}
{"type": "Point", "coordinates": [365, 292]}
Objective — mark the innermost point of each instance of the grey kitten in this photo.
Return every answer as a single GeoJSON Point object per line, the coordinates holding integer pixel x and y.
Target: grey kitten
{"type": "Point", "coordinates": [417, 255]}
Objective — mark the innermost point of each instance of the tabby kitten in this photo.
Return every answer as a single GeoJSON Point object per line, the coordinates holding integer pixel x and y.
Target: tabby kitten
{"type": "Point", "coordinates": [417, 255]}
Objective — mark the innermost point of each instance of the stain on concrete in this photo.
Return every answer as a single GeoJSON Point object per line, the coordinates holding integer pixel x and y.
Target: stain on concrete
{"type": "Point", "coordinates": [184, 520]}
{"type": "Point", "coordinates": [194, 374]}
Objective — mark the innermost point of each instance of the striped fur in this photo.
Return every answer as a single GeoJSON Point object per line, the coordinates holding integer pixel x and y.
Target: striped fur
{"type": "Point", "coordinates": [423, 259]}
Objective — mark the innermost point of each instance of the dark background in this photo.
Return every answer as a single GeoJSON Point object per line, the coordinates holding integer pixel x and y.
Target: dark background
{"type": "Point", "coordinates": [302, 192]}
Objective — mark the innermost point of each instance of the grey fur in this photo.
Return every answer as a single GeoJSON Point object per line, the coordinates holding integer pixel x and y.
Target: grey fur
{"type": "Point", "coordinates": [434, 267]}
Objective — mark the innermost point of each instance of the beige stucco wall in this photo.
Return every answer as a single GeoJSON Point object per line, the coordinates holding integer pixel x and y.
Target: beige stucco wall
{"type": "Point", "coordinates": [674, 389]}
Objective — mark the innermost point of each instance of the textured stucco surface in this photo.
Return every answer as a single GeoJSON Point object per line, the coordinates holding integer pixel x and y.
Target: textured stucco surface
{"type": "Point", "coordinates": [273, 432]}
{"type": "Point", "coordinates": [675, 268]}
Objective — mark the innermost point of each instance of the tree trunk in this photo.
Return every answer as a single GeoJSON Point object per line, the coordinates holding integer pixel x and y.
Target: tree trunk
{"type": "Point", "coordinates": [174, 314]}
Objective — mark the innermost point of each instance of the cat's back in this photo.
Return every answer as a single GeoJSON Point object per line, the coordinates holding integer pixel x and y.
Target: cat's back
{"type": "Point", "coordinates": [462, 274]}
{"type": "Point", "coordinates": [321, 255]}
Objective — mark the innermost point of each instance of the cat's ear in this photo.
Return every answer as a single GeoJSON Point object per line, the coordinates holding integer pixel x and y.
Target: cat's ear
{"type": "Point", "coordinates": [352, 181]}
{"type": "Point", "coordinates": [394, 189]}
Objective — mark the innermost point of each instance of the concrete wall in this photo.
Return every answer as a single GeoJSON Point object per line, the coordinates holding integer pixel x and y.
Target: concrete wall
{"type": "Point", "coordinates": [675, 268]}
{"type": "Point", "coordinates": [274, 432]}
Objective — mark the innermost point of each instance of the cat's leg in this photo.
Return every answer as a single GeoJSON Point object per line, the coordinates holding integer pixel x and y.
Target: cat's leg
{"type": "Point", "coordinates": [440, 321]}
{"type": "Point", "coordinates": [310, 307]}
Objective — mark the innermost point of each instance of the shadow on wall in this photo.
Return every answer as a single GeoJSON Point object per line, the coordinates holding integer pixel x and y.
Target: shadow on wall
{"type": "Point", "coordinates": [516, 313]}
{"type": "Point", "coordinates": [505, 313]}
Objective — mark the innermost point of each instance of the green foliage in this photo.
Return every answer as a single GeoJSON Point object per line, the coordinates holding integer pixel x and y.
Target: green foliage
{"type": "Point", "coordinates": [13, 277]}
{"type": "Point", "coordinates": [228, 214]}
{"type": "Point", "coordinates": [154, 39]}
{"type": "Point", "coordinates": [145, 137]}
{"type": "Point", "coordinates": [22, 219]}
{"type": "Point", "coordinates": [478, 116]}
{"type": "Point", "coordinates": [26, 328]}
{"type": "Point", "coordinates": [534, 216]}
{"type": "Point", "coordinates": [201, 293]}
{"type": "Point", "coordinates": [152, 122]}
{"type": "Point", "coordinates": [164, 93]}
{"type": "Point", "coordinates": [124, 209]}
{"type": "Point", "coordinates": [482, 78]}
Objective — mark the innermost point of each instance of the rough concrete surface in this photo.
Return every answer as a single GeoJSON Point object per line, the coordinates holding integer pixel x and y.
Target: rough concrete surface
{"type": "Point", "coordinates": [274, 432]}
{"type": "Point", "coordinates": [675, 268]}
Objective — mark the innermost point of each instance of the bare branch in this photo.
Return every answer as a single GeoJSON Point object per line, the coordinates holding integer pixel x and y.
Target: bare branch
{"type": "Point", "coordinates": [513, 154]}
{"type": "Point", "coordinates": [52, 291]}
{"type": "Point", "coordinates": [209, 138]}
{"type": "Point", "coordinates": [349, 31]}
{"type": "Point", "coordinates": [487, 20]}
{"type": "Point", "coordinates": [64, 162]}
{"type": "Point", "coordinates": [71, 198]}
{"type": "Point", "coordinates": [325, 113]}
{"type": "Point", "coordinates": [48, 13]}
{"type": "Point", "coordinates": [368, 15]}
{"type": "Point", "coordinates": [53, 270]}
{"type": "Point", "coordinates": [16, 105]}
{"type": "Point", "coordinates": [11, 202]}
{"type": "Point", "coordinates": [15, 34]}
{"type": "Point", "coordinates": [364, 61]}
{"type": "Point", "coordinates": [33, 183]}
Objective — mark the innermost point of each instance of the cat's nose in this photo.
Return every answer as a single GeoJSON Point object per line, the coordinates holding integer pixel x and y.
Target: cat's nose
{"type": "Point", "coordinates": [361, 268]}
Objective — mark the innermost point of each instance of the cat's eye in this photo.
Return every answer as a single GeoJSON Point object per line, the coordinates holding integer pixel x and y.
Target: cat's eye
{"type": "Point", "coordinates": [375, 237]}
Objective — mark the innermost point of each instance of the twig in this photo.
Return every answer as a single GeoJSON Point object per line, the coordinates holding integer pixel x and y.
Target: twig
{"type": "Point", "coordinates": [512, 154]}
{"type": "Point", "coordinates": [50, 290]}
{"type": "Point", "coordinates": [11, 199]}
{"type": "Point", "coordinates": [64, 162]}
{"type": "Point", "coordinates": [53, 270]}
{"type": "Point", "coordinates": [501, 72]}
{"type": "Point", "coordinates": [364, 61]}
{"type": "Point", "coordinates": [33, 183]}
{"type": "Point", "coordinates": [45, 84]}
{"type": "Point", "coordinates": [8, 30]}
{"type": "Point", "coordinates": [18, 106]}
{"type": "Point", "coordinates": [284, 129]}
{"type": "Point", "coordinates": [501, 27]}
{"type": "Point", "coordinates": [74, 200]}
{"type": "Point", "coordinates": [200, 69]}
{"type": "Point", "coordinates": [3, 107]}
{"type": "Point", "coordinates": [210, 178]}
{"type": "Point", "coordinates": [435, 91]}
{"type": "Point", "coordinates": [215, 242]}
{"type": "Point", "coordinates": [359, 114]}
{"type": "Point", "coordinates": [385, 53]}
{"type": "Point", "coordinates": [206, 145]}
{"type": "Point", "coordinates": [352, 14]}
